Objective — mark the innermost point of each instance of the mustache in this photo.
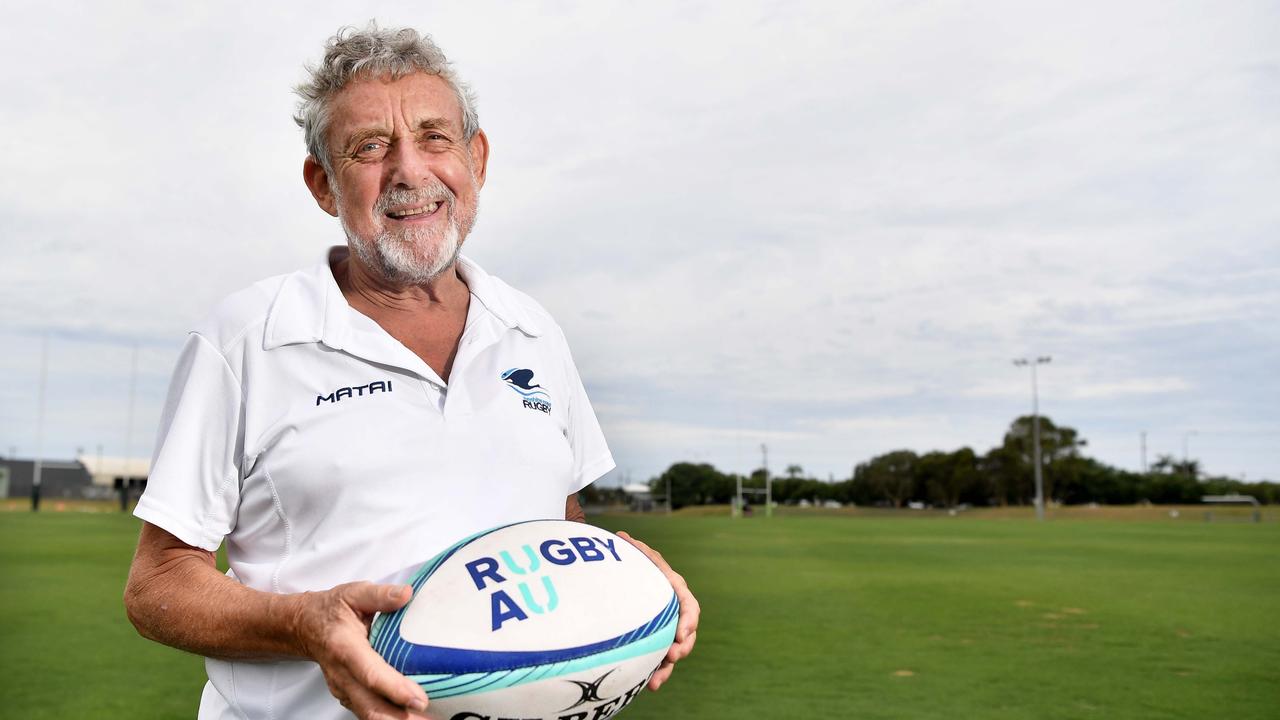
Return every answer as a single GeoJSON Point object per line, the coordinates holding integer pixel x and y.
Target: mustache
{"type": "Point", "coordinates": [434, 190]}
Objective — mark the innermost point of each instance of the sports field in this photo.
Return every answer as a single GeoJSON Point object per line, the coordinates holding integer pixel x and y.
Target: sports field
{"type": "Point", "coordinates": [840, 617]}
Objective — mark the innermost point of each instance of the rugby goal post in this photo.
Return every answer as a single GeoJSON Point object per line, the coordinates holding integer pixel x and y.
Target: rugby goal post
{"type": "Point", "coordinates": [1232, 500]}
{"type": "Point", "coordinates": [766, 491]}
{"type": "Point", "coordinates": [736, 507]}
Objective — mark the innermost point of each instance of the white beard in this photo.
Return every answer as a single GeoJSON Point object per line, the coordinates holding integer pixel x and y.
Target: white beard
{"type": "Point", "coordinates": [414, 256]}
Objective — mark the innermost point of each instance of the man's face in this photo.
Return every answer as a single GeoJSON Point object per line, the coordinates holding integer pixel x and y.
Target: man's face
{"type": "Point", "coordinates": [404, 182]}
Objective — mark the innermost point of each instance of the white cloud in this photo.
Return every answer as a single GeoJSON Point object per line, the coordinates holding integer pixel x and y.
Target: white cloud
{"type": "Point", "coordinates": [1140, 386]}
{"type": "Point", "coordinates": [765, 221]}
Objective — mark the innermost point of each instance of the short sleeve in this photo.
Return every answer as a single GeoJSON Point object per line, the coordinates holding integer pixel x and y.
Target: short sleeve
{"type": "Point", "coordinates": [591, 456]}
{"type": "Point", "coordinates": [194, 487]}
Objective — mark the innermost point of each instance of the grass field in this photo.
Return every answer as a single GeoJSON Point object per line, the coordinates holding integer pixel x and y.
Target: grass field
{"type": "Point", "coordinates": [884, 616]}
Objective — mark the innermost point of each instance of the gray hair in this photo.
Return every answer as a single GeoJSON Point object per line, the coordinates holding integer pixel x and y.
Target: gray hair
{"type": "Point", "coordinates": [372, 52]}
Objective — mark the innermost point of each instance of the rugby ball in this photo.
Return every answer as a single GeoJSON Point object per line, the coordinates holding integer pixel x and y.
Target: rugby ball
{"type": "Point", "coordinates": [541, 619]}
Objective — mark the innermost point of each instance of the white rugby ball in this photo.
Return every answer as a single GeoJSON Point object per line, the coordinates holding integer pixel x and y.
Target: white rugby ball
{"type": "Point", "coordinates": [541, 619]}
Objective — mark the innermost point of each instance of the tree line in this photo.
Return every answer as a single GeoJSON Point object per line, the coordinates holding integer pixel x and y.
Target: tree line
{"type": "Point", "coordinates": [1002, 476]}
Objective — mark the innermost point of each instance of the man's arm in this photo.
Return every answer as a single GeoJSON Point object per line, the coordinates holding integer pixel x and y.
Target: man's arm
{"type": "Point", "coordinates": [176, 596]}
{"type": "Point", "coordinates": [573, 511]}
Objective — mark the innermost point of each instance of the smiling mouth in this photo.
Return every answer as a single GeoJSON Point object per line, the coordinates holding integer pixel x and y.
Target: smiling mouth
{"type": "Point", "coordinates": [401, 214]}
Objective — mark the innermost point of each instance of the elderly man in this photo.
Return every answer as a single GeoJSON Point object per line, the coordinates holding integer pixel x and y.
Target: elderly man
{"type": "Point", "coordinates": [337, 426]}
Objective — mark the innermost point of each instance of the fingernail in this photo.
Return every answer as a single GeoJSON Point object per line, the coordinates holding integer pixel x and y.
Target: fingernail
{"type": "Point", "coordinates": [417, 705]}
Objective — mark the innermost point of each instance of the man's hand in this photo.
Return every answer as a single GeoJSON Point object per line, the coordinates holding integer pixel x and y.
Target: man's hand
{"type": "Point", "coordinates": [686, 627]}
{"type": "Point", "coordinates": [332, 628]}
{"type": "Point", "coordinates": [177, 596]}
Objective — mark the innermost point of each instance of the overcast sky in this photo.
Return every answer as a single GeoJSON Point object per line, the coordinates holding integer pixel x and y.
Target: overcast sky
{"type": "Point", "coordinates": [827, 227]}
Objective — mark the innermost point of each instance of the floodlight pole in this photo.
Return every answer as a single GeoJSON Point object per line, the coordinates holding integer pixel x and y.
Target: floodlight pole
{"type": "Point", "coordinates": [768, 482]}
{"type": "Point", "coordinates": [1186, 456]}
{"type": "Point", "coordinates": [1035, 429]}
{"type": "Point", "coordinates": [35, 472]}
{"type": "Point", "coordinates": [1143, 450]}
{"type": "Point", "coordinates": [128, 431]}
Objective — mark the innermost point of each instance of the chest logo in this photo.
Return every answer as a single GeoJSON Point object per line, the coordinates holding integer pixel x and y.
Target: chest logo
{"type": "Point", "coordinates": [534, 396]}
{"type": "Point", "coordinates": [355, 391]}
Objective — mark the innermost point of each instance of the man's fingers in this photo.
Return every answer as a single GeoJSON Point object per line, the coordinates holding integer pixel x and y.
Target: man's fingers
{"type": "Point", "coordinates": [373, 673]}
{"type": "Point", "coordinates": [660, 675]}
{"type": "Point", "coordinates": [690, 612]}
{"type": "Point", "coordinates": [370, 598]}
{"type": "Point", "coordinates": [334, 632]}
{"type": "Point", "coordinates": [354, 663]}
{"type": "Point", "coordinates": [368, 705]}
{"type": "Point", "coordinates": [681, 649]}
{"type": "Point", "coordinates": [644, 548]}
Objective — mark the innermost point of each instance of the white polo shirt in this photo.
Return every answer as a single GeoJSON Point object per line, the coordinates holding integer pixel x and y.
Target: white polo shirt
{"type": "Point", "coordinates": [321, 450]}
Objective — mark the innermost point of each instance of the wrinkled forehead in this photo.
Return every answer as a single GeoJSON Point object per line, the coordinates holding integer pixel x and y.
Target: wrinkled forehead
{"type": "Point", "coordinates": [393, 105]}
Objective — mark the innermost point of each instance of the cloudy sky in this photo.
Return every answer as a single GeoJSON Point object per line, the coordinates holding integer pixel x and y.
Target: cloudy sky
{"type": "Point", "coordinates": [826, 227]}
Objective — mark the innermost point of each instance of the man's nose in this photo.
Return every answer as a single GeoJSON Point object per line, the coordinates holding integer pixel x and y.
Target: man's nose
{"type": "Point", "coordinates": [409, 165]}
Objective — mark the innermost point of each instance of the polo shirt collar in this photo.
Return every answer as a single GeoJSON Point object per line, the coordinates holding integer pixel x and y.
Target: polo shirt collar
{"type": "Point", "coordinates": [309, 306]}
{"type": "Point", "coordinates": [498, 298]}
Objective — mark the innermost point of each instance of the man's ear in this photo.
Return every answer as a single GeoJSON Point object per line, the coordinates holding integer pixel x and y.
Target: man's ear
{"type": "Point", "coordinates": [480, 155]}
{"type": "Point", "coordinates": [313, 173]}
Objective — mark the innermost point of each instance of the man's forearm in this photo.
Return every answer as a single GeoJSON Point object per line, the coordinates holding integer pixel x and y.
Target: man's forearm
{"type": "Point", "coordinates": [176, 596]}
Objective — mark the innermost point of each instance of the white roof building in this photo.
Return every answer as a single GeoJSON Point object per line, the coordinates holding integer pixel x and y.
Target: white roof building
{"type": "Point", "coordinates": [636, 489]}
{"type": "Point", "coordinates": [105, 469]}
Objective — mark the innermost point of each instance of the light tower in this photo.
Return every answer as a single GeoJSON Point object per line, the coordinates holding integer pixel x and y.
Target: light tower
{"type": "Point", "coordinates": [1035, 428]}
{"type": "Point", "coordinates": [768, 482]}
{"type": "Point", "coordinates": [39, 464]}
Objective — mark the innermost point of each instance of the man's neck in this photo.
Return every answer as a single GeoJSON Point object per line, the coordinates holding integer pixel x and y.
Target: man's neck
{"type": "Point", "coordinates": [374, 295]}
{"type": "Point", "coordinates": [428, 318]}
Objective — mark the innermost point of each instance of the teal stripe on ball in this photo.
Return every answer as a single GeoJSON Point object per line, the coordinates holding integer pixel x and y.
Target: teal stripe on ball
{"type": "Point", "coordinates": [443, 686]}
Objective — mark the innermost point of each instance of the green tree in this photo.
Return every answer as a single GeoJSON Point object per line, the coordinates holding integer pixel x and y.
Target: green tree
{"type": "Point", "coordinates": [1007, 474]}
{"type": "Point", "coordinates": [1059, 446]}
{"type": "Point", "coordinates": [947, 477]}
{"type": "Point", "coordinates": [694, 484]}
{"type": "Point", "coordinates": [1172, 481]}
{"type": "Point", "coordinates": [1169, 465]}
{"type": "Point", "coordinates": [1098, 482]}
{"type": "Point", "coordinates": [889, 477]}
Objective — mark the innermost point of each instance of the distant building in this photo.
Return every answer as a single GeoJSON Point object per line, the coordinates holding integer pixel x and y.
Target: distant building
{"type": "Point", "coordinates": [111, 472]}
{"type": "Point", "coordinates": [640, 496]}
{"type": "Point", "coordinates": [85, 477]}
{"type": "Point", "coordinates": [58, 478]}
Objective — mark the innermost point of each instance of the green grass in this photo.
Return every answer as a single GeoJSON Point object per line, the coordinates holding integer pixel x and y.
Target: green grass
{"type": "Point", "coordinates": [835, 617]}
{"type": "Point", "coordinates": [66, 648]}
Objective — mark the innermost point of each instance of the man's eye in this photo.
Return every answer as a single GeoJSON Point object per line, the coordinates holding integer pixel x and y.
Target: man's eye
{"type": "Point", "coordinates": [370, 149]}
